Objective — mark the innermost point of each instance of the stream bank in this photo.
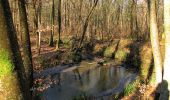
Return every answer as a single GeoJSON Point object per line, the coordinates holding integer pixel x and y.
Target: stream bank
{"type": "Point", "coordinates": [126, 54]}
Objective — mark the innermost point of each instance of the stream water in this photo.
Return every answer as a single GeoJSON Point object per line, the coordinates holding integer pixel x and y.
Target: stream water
{"type": "Point", "coordinates": [84, 81]}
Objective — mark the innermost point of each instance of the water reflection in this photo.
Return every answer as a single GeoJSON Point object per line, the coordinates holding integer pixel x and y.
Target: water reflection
{"type": "Point", "coordinates": [90, 82]}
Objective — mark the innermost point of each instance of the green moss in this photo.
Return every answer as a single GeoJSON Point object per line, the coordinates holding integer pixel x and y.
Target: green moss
{"type": "Point", "coordinates": [6, 66]}
{"type": "Point", "coordinates": [66, 43]}
{"type": "Point", "coordinates": [152, 79]}
{"type": "Point", "coordinates": [121, 55]}
{"type": "Point", "coordinates": [130, 88]}
{"type": "Point", "coordinates": [108, 53]}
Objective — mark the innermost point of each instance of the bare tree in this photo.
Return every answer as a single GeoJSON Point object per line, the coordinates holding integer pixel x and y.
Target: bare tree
{"type": "Point", "coordinates": [155, 42]}
{"type": "Point", "coordinates": [52, 25]}
{"type": "Point", "coordinates": [86, 23]}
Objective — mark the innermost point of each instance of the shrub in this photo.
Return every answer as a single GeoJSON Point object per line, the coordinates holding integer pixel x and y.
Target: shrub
{"type": "Point", "coordinates": [76, 57]}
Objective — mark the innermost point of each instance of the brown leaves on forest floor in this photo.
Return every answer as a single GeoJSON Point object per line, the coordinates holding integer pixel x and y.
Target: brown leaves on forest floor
{"type": "Point", "coordinates": [42, 84]}
{"type": "Point", "coordinates": [45, 48]}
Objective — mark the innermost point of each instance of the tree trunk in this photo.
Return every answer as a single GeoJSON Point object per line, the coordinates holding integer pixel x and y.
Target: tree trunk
{"type": "Point", "coordinates": [59, 25]}
{"type": "Point", "coordinates": [27, 58]}
{"type": "Point", "coordinates": [86, 24]}
{"type": "Point", "coordinates": [39, 26]}
{"type": "Point", "coordinates": [155, 43]}
{"type": "Point", "coordinates": [166, 75]}
{"type": "Point", "coordinates": [12, 74]}
{"type": "Point", "coordinates": [52, 25]}
{"type": "Point", "coordinates": [37, 5]}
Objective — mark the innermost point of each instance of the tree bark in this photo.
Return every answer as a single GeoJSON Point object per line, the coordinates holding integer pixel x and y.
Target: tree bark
{"type": "Point", "coordinates": [59, 25]}
{"type": "Point", "coordinates": [166, 75]}
{"type": "Point", "coordinates": [27, 58]}
{"type": "Point", "coordinates": [155, 42]}
{"type": "Point", "coordinates": [52, 25]}
{"type": "Point", "coordinates": [37, 5]}
{"type": "Point", "coordinates": [39, 26]}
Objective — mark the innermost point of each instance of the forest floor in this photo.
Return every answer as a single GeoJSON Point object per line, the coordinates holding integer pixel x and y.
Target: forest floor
{"type": "Point", "coordinates": [45, 49]}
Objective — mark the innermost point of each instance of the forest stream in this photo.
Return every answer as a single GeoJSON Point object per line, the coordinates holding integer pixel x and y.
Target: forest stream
{"type": "Point", "coordinates": [84, 49]}
{"type": "Point", "coordinates": [90, 79]}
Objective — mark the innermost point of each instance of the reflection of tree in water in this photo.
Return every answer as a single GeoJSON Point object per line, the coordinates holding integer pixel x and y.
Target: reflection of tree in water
{"type": "Point", "coordinates": [79, 77]}
{"type": "Point", "coordinates": [94, 77]}
{"type": "Point", "coordinates": [90, 79]}
{"type": "Point", "coordinates": [118, 73]}
{"type": "Point", "coordinates": [114, 76]}
{"type": "Point", "coordinates": [102, 82]}
{"type": "Point", "coordinates": [87, 78]}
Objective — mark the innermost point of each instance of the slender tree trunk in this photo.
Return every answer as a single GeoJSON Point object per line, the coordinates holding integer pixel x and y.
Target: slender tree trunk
{"type": "Point", "coordinates": [155, 42]}
{"type": "Point", "coordinates": [39, 26]}
{"type": "Point", "coordinates": [131, 18]}
{"type": "Point", "coordinates": [65, 15]}
{"type": "Point", "coordinates": [59, 25]}
{"type": "Point", "coordinates": [39, 35]}
{"type": "Point", "coordinates": [52, 25]}
{"type": "Point", "coordinates": [27, 58]}
{"type": "Point", "coordinates": [12, 73]}
{"type": "Point", "coordinates": [166, 75]}
{"type": "Point", "coordinates": [68, 15]}
{"type": "Point", "coordinates": [147, 19]}
{"type": "Point", "coordinates": [36, 23]}
{"type": "Point", "coordinates": [35, 19]}
{"type": "Point", "coordinates": [37, 5]}
{"type": "Point", "coordinates": [86, 24]}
